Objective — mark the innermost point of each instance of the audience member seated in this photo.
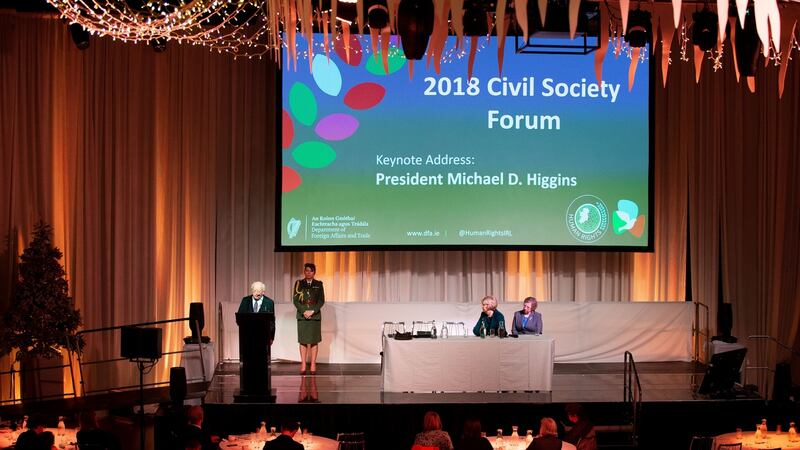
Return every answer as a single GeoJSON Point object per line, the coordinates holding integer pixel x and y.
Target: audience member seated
{"type": "Point", "coordinates": [432, 434]}
{"type": "Point", "coordinates": [548, 436]}
{"type": "Point", "coordinates": [194, 430]}
{"type": "Point", "coordinates": [285, 441]}
{"type": "Point", "coordinates": [471, 439]}
{"type": "Point", "coordinates": [490, 317]}
{"type": "Point", "coordinates": [32, 438]}
{"type": "Point", "coordinates": [48, 440]}
{"type": "Point", "coordinates": [582, 432]}
{"type": "Point", "coordinates": [91, 436]}
{"type": "Point", "coordinates": [527, 320]}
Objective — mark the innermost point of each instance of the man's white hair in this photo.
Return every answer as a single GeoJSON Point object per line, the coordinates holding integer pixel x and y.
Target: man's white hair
{"type": "Point", "coordinates": [258, 286]}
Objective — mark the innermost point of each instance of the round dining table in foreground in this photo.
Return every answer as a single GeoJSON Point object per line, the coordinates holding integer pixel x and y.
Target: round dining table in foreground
{"type": "Point", "coordinates": [244, 442]}
{"type": "Point", "coordinates": [748, 440]}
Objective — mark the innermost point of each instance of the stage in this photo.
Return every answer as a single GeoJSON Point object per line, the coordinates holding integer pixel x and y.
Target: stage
{"type": "Point", "coordinates": [348, 397]}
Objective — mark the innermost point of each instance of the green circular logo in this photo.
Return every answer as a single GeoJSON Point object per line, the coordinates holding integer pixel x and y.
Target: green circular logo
{"type": "Point", "coordinates": [587, 218]}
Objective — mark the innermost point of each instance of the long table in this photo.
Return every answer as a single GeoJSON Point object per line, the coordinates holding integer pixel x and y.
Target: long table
{"type": "Point", "coordinates": [468, 364]}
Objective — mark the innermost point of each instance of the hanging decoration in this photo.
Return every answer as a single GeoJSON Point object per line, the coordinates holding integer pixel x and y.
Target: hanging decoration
{"type": "Point", "coordinates": [257, 28]}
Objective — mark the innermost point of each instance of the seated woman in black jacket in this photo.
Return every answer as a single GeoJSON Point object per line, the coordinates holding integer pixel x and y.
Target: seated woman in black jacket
{"type": "Point", "coordinates": [472, 440]}
{"type": "Point", "coordinates": [491, 318]}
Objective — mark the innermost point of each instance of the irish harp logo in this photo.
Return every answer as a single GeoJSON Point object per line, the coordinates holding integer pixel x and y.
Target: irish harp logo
{"type": "Point", "coordinates": [293, 227]}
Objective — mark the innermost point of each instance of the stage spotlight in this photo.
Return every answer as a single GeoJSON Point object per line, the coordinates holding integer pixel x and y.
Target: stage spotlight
{"type": "Point", "coordinates": [159, 44]}
{"type": "Point", "coordinates": [640, 30]}
{"type": "Point", "coordinates": [415, 25]}
{"type": "Point", "coordinates": [747, 45]}
{"type": "Point", "coordinates": [704, 29]}
{"type": "Point", "coordinates": [377, 14]}
{"type": "Point", "coordinates": [475, 23]}
{"type": "Point", "coordinates": [79, 36]}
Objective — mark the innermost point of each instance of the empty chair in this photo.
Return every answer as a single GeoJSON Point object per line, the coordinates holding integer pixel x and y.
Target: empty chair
{"type": "Point", "coordinates": [350, 441]}
{"type": "Point", "coordinates": [701, 443]}
{"type": "Point", "coordinates": [456, 328]}
{"type": "Point", "coordinates": [392, 328]}
{"type": "Point", "coordinates": [736, 446]}
{"type": "Point", "coordinates": [419, 325]}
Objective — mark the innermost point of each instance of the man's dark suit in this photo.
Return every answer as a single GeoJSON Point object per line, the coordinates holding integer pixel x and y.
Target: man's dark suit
{"type": "Point", "coordinates": [283, 442]}
{"type": "Point", "coordinates": [267, 306]}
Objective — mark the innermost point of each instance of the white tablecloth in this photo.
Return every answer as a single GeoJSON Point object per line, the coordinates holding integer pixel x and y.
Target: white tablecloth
{"type": "Point", "coordinates": [190, 360]}
{"type": "Point", "coordinates": [7, 439]}
{"type": "Point", "coordinates": [469, 364]}
{"type": "Point", "coordinates": [520, 444]}
{"type": "Point", "coordinates": [244, 442]}
{"type": "Point", "coordinates": [748, 441]}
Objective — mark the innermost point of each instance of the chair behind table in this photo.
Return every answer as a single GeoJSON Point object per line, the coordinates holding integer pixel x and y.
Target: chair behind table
{"type": "Point", "coordinates": [350, 441]}
{"type": "Point", "coordinates": [701, 443]}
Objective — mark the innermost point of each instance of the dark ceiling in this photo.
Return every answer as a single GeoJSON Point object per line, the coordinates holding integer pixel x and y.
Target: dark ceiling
{"type": "Point", "coordinates": [27, 5]}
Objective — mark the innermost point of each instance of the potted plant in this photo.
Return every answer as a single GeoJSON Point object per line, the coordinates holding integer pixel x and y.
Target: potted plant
{"type": "Point", "coordinates": [41, 319]}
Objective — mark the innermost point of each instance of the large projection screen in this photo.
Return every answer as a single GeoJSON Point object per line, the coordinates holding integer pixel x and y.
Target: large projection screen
{"type": "Point", "coordinates": [540, 156]}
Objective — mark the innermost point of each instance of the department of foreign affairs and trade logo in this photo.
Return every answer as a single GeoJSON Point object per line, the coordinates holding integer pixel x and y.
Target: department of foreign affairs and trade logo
{"type": "Point", "coordinates": [292, 227]}
{"type": "Point", "coordinates": [587, 218]}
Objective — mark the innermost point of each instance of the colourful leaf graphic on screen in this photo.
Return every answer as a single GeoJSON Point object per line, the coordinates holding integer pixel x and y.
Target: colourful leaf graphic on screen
{"type": "Point", "coordinates": [627, 218]}
{"type": "Point", "coordinates": [313, 154]}
{"type": "Point", "coordinates": [290, 179]}
{"type": "Point", "coordinates": [364, 95]}
{"type": "Point", "coordinates": [326, 74]}
{"type": "Point", "coordinates": [355, 50]}
{"type": "Point", "coordinates": [287, 133]}
{"type": "Point", "coordinates": [336, 127]}
{"type": "Point", "coordinates": [396, 62]}
{"type": "Point", "coordinates": [303, 104]}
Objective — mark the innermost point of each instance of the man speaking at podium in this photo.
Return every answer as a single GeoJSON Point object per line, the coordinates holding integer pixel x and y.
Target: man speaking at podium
{"type": "Point", "coordinates": [257, 302]}
{"type": "Point", "coordinates": [256, 321]}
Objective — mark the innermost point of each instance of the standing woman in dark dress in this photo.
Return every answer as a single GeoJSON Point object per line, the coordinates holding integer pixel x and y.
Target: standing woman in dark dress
{"type": "Point", "coordinates": [308, 297]}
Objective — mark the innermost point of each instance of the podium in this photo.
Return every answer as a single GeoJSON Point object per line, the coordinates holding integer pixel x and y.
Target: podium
{"type": "Point", "coordinates": [256, 330]}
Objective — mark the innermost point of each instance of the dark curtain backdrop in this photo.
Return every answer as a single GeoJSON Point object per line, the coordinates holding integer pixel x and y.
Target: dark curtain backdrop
{"type": "Point", "coordinates": [157, 172]}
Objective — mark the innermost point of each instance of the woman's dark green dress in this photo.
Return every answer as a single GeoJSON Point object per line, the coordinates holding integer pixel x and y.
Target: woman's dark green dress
{"type": "Point", "coordinates": [308, 296]}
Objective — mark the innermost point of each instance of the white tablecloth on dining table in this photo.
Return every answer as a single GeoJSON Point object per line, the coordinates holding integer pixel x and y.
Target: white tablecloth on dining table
{"type": "Point", "coordinates": [519, 443]}
{"type": "Point", "coordinates": [7, 439]}
{"type": "Point", "coordinates": [468, 364]}
{"type": "Point", "coordinates": [244, 442]}
{"type": "Point", "coordinates": [748, 440]}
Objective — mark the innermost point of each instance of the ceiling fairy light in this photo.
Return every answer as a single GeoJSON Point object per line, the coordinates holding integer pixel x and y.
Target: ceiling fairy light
{"type": "Point", "coordinates": [240, 27]}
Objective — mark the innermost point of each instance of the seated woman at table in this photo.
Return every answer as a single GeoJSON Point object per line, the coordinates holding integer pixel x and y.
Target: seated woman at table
{"type": "Point", "coordinates": [32, 439]}
{"type": "Point", "coordinates": [490, 317]}
{"type": "Point", "coordinates": [432, 434]}
{"type": "Point", "coordinates": [527, 321]}
{"type": "Point", "coordinates": [48, 440]}
{"type": "Point", "coordinates": [548, 436]}
{"type": "Point", "coordinates": [472, 440]}
{"type": "Point", "coordinates": [91, 434]}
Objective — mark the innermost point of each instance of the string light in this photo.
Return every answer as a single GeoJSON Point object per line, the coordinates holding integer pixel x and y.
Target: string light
{"type": "Point", "coordinates": [240, 27]}
{"type": "Point", "coordinates": [449, 55]}
{"type": "Point", "coordinates": [716, 57]}
{"type": "Point", "coordinates": [774, 55]}
{"type": "Point", "coordinates": [684, 44]}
